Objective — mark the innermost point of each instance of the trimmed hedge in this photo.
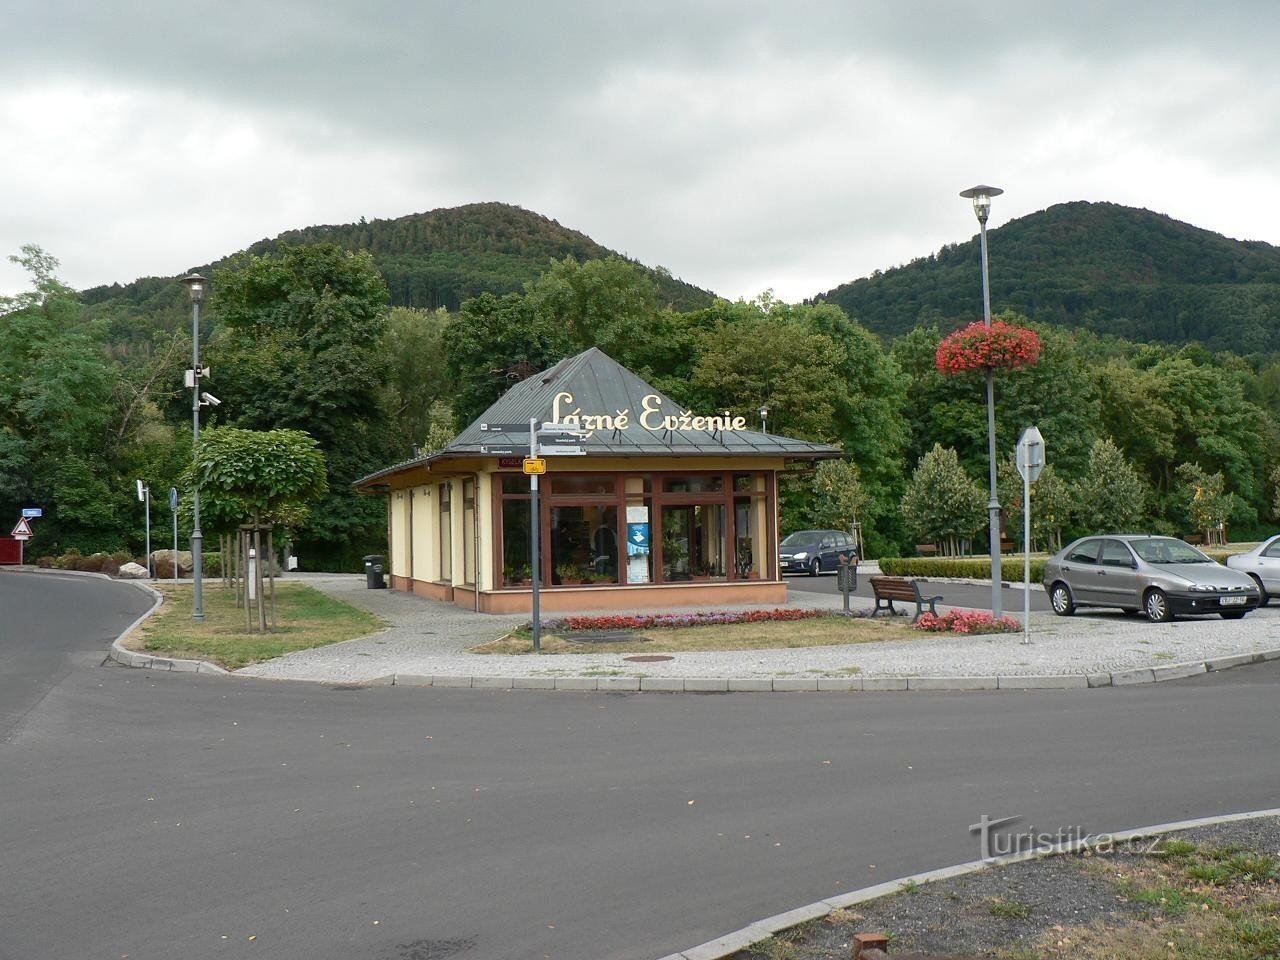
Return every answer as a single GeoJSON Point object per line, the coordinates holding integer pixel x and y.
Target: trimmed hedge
{"type": "Point", "coordinates": [966, 568]}
{"type": "Point", "coordinates": [979, 568]}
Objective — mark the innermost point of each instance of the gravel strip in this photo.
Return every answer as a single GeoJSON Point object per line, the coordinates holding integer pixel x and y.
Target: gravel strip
{"type": "Point", "coordinates": [955, 916]}
{"type": "Point", "coordinates": [429, 638]}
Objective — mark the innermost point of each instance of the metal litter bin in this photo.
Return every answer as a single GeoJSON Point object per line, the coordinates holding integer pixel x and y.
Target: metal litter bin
{"type": "Point", "coordinates": [375, 578]}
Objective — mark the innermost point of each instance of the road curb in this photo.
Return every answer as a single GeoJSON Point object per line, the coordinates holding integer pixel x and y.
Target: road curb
{"type": "Point", "coordinates": [145, 661]}
{"type": "Point", "coordinates": [731, 943]}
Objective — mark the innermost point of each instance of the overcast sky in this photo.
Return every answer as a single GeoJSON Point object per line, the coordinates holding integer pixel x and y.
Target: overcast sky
{"type": "Point", "coordinates": [743, 146]}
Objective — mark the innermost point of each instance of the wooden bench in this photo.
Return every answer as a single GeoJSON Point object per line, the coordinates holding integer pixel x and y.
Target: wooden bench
{"type": "Point", "coordinates": [889, 589]}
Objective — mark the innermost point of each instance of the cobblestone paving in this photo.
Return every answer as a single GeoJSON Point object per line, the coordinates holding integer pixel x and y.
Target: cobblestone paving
{"type": "Point", "coordinates": [431, 639]}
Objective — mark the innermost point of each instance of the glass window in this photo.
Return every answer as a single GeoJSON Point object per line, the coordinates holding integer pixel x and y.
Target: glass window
{"type": "Point", "coordinates": [1086, 552]}
{"type": "Point", "coordinates": [693, 542]}
{"type": "Point", "coordinates": [584, 544]}
{"type": "Point", "coordinates": [446, 536]}
{"type": "Point", "coordinates": [1273, 550]}
{"type": "Point", "coordinates": [516, 554]}
{"type": "Point", "coordinates": [582, 484]}
{"type": "Point", "coordinates": [1116, 554]}
{"type": "Point", "coordinates": [468, 531]}
{"type": "Point", "coordinates": [708, 483]}
{"type": "Point", "coordinates": [748, 522]}
{"type": "Point", "coordinates": [515, 483]}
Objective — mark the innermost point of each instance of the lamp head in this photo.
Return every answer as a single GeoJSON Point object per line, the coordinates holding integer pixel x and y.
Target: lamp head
{"type": "Point", "coordinates": [764, 411]}
{"type": "Point", "coordinates": [197, 287]}
{"type": "Point", "coordinates": [981, 196]}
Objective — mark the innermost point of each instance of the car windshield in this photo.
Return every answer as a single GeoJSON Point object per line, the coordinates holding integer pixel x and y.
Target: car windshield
{"type": "Point", "coordinates": [1167, 550]}
{"type": "Point", "coordinates": [803, 538]}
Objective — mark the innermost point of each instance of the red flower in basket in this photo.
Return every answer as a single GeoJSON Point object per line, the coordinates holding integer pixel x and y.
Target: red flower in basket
{"type": "Point", "coordinates": [1002, 346]}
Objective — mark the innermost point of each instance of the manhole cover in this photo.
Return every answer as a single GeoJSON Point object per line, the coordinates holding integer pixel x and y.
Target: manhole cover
{"type": "Point", "coordinates": [649, 658]}
{"type": "Point", "coordinates": [603, 636]}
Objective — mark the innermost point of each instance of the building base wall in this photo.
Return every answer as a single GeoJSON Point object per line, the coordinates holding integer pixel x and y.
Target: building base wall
{"type": "Point", "coordinates": [577, 599]}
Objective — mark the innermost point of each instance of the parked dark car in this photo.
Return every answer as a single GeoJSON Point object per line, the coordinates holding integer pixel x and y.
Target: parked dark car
{"type": "Point", "coordinates": [1161, 576]}
{"type": "Point", "coordinates": [1262, 563]}
{"type": "Point", "coordinates": [814, 551]}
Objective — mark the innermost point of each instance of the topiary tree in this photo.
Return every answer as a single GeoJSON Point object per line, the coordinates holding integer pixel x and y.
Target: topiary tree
{"type": "Point", "coordinates": [1275, 479]}
{"type": "Point", "coordinates": [1205, 499]}
{"type": "Point", "coordinates": [264, 478]}
{"type": "Point", "coordinates": [943, 504]}
{"type": "Point", "coordinates": [1111, 496]}
{"type": "Point", "coordinates": [1051, 505]}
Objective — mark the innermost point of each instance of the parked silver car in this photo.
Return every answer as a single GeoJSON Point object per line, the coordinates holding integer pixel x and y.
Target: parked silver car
{"type": "Point", "coordinates": [1262, 563]}
{"type": "Point", "coordinates": [1160, 576]}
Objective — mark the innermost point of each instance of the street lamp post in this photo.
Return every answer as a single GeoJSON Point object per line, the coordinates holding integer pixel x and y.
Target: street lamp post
{"type": "Point", "coordinates": [197, 286]}
{"type": "Point", "coordinates": [764, 419]}
{"type": "Point", "coordinates": [981, 196]}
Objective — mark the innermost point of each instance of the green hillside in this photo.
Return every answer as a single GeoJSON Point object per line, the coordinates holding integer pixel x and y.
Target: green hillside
{"type": "Point", "coordinates": [1112, 269]}
{"type": "Point", "coordinates": [434, 259]}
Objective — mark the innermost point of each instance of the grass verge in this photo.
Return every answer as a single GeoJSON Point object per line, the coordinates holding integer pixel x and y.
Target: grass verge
{"type": "Point", "coordinates": [1210, 894]}
{"type": "Point", "coordinates": [765, 635]}
{"type": "Point", "coordinates": [306, 618]}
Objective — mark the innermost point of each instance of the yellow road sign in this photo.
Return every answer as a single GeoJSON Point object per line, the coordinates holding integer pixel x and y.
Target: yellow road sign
{"type": "Point", "coordinates": [534, 465]}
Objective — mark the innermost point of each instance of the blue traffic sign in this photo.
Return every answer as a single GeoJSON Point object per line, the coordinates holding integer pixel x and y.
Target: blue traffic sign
{"type": "Point", "coordinates": [32, 513]}
{"type": "Point", "coordinates": [173, 498]}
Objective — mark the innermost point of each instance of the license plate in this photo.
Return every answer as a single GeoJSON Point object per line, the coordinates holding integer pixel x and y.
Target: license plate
{"type": "Point", "coordinates": [785, 564]}
{"type": "Point", "coordinates": [1233, 601]}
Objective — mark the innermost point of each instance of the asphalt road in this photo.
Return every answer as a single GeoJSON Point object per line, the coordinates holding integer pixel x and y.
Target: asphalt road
{"type": "Point", "coordinates": [48, 625]}
{"type": "Point", "coordinates": [174, 815]}
{"type": "Point", "coordinates": [953, 594]}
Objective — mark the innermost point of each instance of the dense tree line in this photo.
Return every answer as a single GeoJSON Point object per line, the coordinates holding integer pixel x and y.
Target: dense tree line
{"type": "Point", "coordinates": [305, 337]}
{"type": "Point", "coordinates": [1097, 266]}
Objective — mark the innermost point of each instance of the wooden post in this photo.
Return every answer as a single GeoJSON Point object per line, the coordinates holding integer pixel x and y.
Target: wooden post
{"type": "Point", "coordinates": [271, 552]}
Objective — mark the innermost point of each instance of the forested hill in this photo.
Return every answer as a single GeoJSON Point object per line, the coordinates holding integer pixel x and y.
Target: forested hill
{"type": "Point", "coordinates": [440, 258]}
{"type": "Point", "coordinates": [1113, 269]}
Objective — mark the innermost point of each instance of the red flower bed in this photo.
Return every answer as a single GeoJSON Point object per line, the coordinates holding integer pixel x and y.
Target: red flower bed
{"type": "Point", "coordinates": [1002, 346]}
{"type": "Point", "coordinates": [646, 621]}
{"type": "Point", "coordinates": [966, 621]}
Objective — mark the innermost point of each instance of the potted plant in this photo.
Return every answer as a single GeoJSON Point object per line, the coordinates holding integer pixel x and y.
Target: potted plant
{"type": "Point", "coordinates": [568, 574]}
{"type": "Point", "coordinates": [745, 559]}
{"type": "Point", "coordinates": [674, 554]}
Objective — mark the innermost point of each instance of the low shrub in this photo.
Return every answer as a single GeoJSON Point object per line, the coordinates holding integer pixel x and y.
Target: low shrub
{"type": "Point", "coordinates": [966, 621]}
{"type": "Point", "coordinates": [68, 560]}
{"type": "Point", "coordinates": [966, 568]}
{"type": "Point", "coordinates": [90, 564]}
{"type": "Point", "coordinates": [109, 566]}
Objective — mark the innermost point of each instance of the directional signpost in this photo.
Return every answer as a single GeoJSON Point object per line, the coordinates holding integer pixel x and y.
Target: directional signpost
{"type": "Point", "coordinates": [552, 440]}
{"type": "Point", "coordinates": [1030, 463]}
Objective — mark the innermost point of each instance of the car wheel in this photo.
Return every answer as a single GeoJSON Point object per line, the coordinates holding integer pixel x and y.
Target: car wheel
{"type": "Point", "coordinates": [1264, 597]}
{"type": "Point", "coordinates": [1156, 606]}
{"type": "Point", "coordinates": [815, 566]}
{"type": "Point", "coordinates": [1060, 600]}
{"type": "Point", "coordinates": [1232, 614]}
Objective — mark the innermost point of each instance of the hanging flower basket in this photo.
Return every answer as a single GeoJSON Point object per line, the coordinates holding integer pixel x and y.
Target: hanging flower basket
{"type": "Point", "coordinates": [1002, 346]}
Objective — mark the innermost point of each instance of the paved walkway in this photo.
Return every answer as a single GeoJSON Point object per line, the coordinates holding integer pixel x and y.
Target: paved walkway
{"type": "Point", "coordinates": [427, 643]}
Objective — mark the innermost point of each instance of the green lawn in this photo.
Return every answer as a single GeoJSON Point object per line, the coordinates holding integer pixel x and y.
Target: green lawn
{"type": "Point", "coordinates": [306, 618]}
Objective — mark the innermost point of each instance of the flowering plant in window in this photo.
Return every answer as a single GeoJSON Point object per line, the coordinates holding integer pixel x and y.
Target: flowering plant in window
{"type": "Point", "coordinates": [1002, 346]}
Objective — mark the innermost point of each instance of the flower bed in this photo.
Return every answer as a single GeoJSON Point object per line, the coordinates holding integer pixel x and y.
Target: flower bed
{"type": "Point", "coordinates": [649, 621]}
{"type": "Point", "coordinates": [1002, 346]}
{"type": "Point", "coordinates": [966, 621]}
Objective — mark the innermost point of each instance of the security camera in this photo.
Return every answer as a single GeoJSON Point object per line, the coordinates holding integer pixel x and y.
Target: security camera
{"type": "Point", "coordinates": [209, 400]}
